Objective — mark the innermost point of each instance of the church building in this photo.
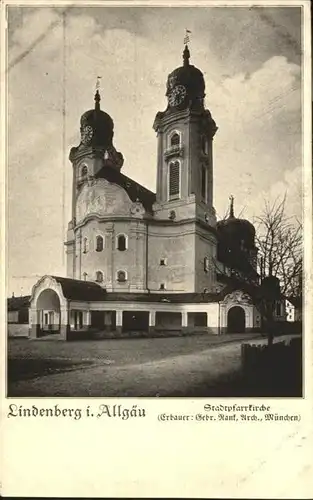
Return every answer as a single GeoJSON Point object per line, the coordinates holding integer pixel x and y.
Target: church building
{"type": "Point", "coordinates": [154, 263]}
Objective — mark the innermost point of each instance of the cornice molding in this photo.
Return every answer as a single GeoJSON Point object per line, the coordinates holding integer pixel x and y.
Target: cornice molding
{"type": "Point", "coordinates": [91, 152]}
{"type": "Point", "coordinates": [164, 119]}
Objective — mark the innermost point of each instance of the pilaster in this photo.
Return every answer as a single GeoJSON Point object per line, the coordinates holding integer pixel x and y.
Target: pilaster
{"type": "Point", "coordinates": [119, 321]}
{"type": "Point", "coordinates": [151, 321]}
{"type": "Point", "coordinates": [65, 323]}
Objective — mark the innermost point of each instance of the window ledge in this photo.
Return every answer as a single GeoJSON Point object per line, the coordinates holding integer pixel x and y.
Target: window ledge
{"type": "Point", "coordinates": [174, 151]}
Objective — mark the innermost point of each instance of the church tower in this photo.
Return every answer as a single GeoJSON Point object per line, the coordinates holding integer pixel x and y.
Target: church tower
{"type": "Point", "coordinates": [95, 150]}
{"type": "Point", "coordinates": [94, 155]}
{"type": "Point", "coordinates": [184, 217]}
{"type": "Point", "coordinates": [185, 132]}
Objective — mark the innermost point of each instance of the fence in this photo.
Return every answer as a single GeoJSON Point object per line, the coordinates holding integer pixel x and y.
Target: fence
{"type": "Point", "coordinates": [273, 370]}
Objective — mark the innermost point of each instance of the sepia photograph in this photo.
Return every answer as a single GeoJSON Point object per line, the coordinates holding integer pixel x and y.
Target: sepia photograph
{"type": "Point", "coordinates": [155, 201]}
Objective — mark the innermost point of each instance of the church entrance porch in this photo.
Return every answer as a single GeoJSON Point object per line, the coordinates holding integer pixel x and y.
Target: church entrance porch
{"type": "Point", "coordinates": [78, 309]}
{"type": "Point", "coordinates": [48, 312]}
{"type": "Point", "coordinates": [236, 320]}
{"type": "Point", "coordinates": [237, 313]}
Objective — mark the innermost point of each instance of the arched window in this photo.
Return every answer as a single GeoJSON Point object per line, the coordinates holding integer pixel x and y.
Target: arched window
{"type": "Point", "coordinates": [85, 245]}
{"type": "Point", "coordinates": [99, 276]}
{"type": "Point", "coordinates": [175, 139]}
{"type": "Point", "coordinates": [84, 172]}
{"type": "Point", "coordinates": [174, 180]}
{"type": "Point", "coordinates": [121, 276]}
{"type": "Point", "coordinates": [206, 264]}
{"type": "Point", "coordinates": [121, 242]}
{"type": "Point", "coordinates": [99, 244]}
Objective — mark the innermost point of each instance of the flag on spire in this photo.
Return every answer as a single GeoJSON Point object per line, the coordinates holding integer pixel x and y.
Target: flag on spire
{"type": "Point", "coordinates": [98, 82]}
{"type": "Point", "coordinates": [231, 207]}
{"type": "Point", "coordinates": [187, 38]}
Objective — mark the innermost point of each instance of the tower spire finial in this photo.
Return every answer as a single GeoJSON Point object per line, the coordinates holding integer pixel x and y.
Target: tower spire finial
{"type": "Point", "coordinates": [231, 206]}
{"type": "Point", "coordinates": [97, 94]}
{"type": "Point", "coordinates": [186, 53]}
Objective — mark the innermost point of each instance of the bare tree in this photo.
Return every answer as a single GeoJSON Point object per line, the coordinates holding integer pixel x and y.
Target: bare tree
{"type": "Point", "coordinates": [279, 242]}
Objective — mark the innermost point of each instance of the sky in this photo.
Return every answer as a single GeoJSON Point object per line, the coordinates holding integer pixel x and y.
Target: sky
{"type": "Point", "coordinates": [251, 61]}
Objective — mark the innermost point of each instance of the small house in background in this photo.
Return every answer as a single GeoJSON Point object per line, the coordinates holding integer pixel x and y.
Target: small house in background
{"type": "Point", "coordinates": [17, 308]}
{"type": "Point", "coordinates": [290, 310]}
{"type": "Point", "coordinates": [271, 293]}
{"type": "Point", "coordinates": [294, 309]}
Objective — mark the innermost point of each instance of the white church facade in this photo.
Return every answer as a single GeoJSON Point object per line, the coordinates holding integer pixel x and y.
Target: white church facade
{"type": "Point", "coordinates": [139, 261]}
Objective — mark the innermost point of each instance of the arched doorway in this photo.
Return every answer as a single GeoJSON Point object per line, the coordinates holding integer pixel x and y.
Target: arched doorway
{"type": "Point", "coordinates": [48, 308]}
{"type": "Point", "coordinates": [236, 320]}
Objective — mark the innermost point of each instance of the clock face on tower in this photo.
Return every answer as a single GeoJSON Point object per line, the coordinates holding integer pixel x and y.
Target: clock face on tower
{"type": "Point", "coordinates": [177, 95]}
{"type": "Point", "coordinates": [87, 134]}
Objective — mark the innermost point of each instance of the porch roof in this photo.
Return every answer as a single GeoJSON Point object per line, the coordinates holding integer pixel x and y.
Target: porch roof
{"type": "Point", "coordinates": [80, 290]}
{"type": "Point", "coordinates": [174, 298]}
{"type": "Point", "coordinates": [89, 291]}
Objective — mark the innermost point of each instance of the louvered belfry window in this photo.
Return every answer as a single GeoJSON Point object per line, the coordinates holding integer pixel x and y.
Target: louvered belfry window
{"type": "Point", "coordinates": [174, 180]}
{"type": "Point", "coordinates": [84, 172]}
{"type": "Point", "coordinates": [175, 140]}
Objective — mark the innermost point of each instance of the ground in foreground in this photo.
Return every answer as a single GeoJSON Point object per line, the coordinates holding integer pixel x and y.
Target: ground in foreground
{"type": "Point", "coordinates": [194, 366]}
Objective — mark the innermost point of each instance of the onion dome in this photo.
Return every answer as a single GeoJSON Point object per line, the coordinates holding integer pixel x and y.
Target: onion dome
{"type": "Point", "coordinates": [185, 92]}
{"type": "Point", "coordinates": [96, 126]}
{"type": "Point", "coordinates": [189, 76]}
{"type": "Point", "coordinates": [236, 232]}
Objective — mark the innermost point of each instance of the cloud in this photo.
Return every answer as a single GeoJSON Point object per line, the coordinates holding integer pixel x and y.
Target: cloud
{"type": "Point", "coordinates": [256, 149]}
{"type": "Point", "coordinates": [259, 136]}
{"type": "Point", "coordinates": [291, 186]}
{"type": "Point", "coordinates": [245, 98]}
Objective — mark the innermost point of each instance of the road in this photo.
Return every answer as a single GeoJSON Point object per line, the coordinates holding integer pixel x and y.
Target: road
{"type": "Point", "coordinates": [183, 366]}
